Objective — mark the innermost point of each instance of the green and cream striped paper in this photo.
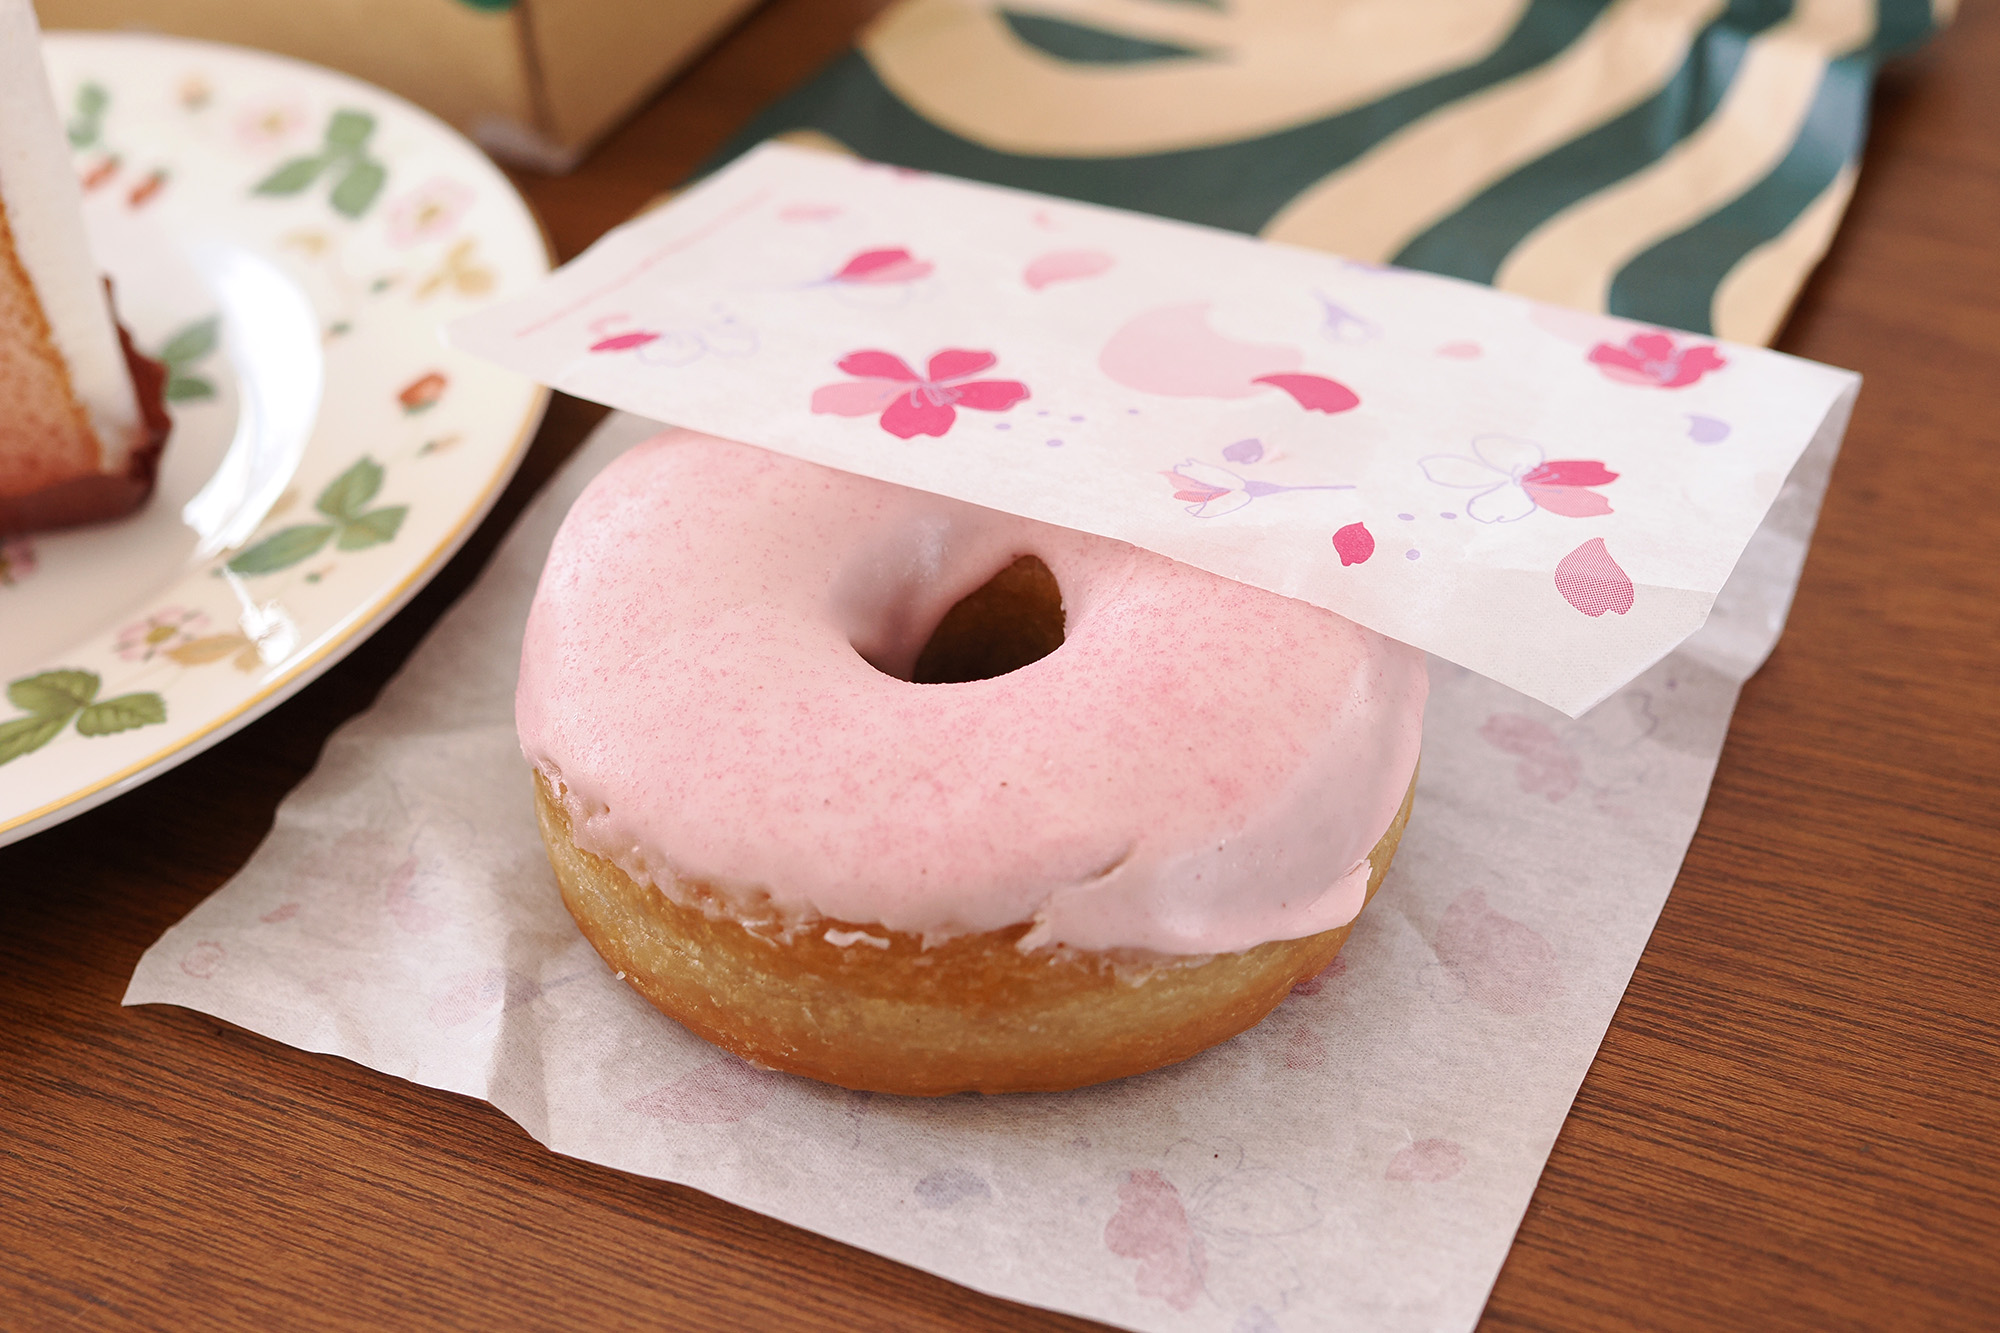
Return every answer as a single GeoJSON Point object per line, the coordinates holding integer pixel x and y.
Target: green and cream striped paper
{"type": "Point", "coordinates": [1680, 162]}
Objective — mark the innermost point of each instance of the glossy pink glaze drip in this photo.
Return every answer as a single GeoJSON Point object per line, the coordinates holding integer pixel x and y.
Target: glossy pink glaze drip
{"type": "Point", "coordinates": [1201, 767]}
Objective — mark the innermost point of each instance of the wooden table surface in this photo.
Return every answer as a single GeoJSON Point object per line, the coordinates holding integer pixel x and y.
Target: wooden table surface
{"type": "Point", "coordinates": [1794, 1122]}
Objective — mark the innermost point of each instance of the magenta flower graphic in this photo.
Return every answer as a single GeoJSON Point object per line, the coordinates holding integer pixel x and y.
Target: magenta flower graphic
{"type": "Point", "coordinates": [1655, 360]}
{"type": "Point", "coordinates": [913, 404]}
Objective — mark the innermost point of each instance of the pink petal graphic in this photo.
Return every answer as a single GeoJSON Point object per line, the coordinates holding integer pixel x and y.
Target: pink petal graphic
{"type": "Point", "coordinates": [1172, 352]}
{"type": "Point", "coordinates": [1065, 266]}
{"type": "Point", "coordinates": [1570, 472]}
{"type": "Point", "coordinates": [914, 414]}
{"type": "Point", "coordinates": [470, 994]}
{"type": "Point", "coordinates": [1504, 965]}
{"type": "Point", "coordinates": [721, 1092]}
{"type": "Point", "coordinates": [857, 398]}
{"type": "Point", "coordinates": [623, 342]}
{"type": "Point", "coordinates": [1354, 543]}
{"type": "Point", "coordinates": [1547, 768]}
{"type": "Point", "coordinates": [1591, 581]}
{"type": "Point", "coordinates": [808, 212]}
{"type": "Point", "coordinates": [990, 395]}
{"type": "Point", "coordinates": [955, 363]}
{"type": "Point", "coordinates": [1305, 1050]}
{"type": "Point", "coordinates": [203, 960]}
{"type": "Point", "coordinates": [1152, 1226]}
{"type": "Point", "coordinates": [1195, 492]}
{"type": "Point", "coordinates": [1462, 351]}
{"type": "Point", "coordinates": [1314, 984]}
{"type": "Point", "coordinates": [1569, 501]}
{"type": "Point", "coordinates": [1427, 1160]}
{"type": "Point", "coordinates": [878, 366]}
{"type": "Point", "coordinates": [897, 265]}
{"type": "Point", "coordinates": [404, 899]}
{"type": "Point", "coordinates": [280, 914]}
{"type": "Point", "coordinates": [1315, 393]}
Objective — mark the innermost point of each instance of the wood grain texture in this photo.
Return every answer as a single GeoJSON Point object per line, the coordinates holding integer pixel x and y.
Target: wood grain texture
{"type": "Point", "coordinates": [1792, 1124]}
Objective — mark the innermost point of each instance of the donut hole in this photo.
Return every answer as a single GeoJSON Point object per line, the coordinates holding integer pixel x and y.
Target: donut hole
{"type": "Point", "coordinates": [1014, 618]}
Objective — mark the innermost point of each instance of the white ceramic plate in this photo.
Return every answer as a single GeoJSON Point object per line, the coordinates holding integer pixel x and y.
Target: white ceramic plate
{"type": "Point", "coordinates": [289, 240]}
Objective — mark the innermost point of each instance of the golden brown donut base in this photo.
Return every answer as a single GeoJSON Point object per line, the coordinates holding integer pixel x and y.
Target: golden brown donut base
{"type": "Point", "coordinates": [973, 1013]}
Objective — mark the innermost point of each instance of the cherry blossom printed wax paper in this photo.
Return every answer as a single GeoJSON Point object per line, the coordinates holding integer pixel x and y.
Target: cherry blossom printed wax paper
{"type": "Point", "coordinates": [1360, 1160]}
{"type": "Point", "coordinates": [1550, 498]}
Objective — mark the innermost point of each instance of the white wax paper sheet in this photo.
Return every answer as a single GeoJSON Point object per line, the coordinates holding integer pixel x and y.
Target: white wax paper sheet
{"type": "Point", "coordinates": [1358, 1161]}
{"type": "Point", "coordinates": [1550, 498]}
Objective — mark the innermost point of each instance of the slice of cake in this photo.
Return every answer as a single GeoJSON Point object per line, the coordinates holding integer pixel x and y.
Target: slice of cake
{"type": "Point", "coordinates": [81, 418]}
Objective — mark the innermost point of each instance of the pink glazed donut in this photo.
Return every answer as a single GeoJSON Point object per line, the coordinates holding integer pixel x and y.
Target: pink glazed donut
{"type": "Point", "coordinates": [913, 796]}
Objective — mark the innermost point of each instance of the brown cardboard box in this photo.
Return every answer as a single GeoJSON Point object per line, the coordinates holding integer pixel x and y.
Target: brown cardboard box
{"type": "Point", "coordinates": [534, 81]}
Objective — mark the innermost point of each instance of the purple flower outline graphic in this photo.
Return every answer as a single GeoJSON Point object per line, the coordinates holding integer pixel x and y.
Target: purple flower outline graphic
{"type": "Point", "coordinates": [1514, 478]}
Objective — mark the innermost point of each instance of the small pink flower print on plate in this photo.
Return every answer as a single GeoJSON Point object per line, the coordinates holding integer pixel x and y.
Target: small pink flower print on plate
{"type": "Point", "coordinates": [913, 404]}
{"type": "Point", "coordinates": [143, 640]}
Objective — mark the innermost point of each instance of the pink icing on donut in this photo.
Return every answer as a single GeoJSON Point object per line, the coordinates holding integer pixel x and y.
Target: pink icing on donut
{"type": "Point", "coordinates": [1199, 768]}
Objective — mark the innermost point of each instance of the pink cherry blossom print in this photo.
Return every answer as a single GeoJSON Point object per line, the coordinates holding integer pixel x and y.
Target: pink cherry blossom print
{"type": "Point", "coordinates": [1315, 393]}
{"type": "Point", "coordinates": [1707, 430]}
{"type": "Point", "coordinates": [406, 899]}
{"type": "Point", "coordinates": [1503, 965]}
{"type": "Point", "coordinates": [913, 404]}
{"type": "Point", "coordinates": [879, 267]}
{"type": "Point", "coordinates": [204, 959]}
{"type": "Point", "coordinates": [1314, 984]}
{"type": "Point", "coordinates": [1514, 478]}
{"type": "Point", "coordinates": [721, 1092]}
{"type": "Point", "coordinates": [1210, 491]}
{"type": "Point", "coordinates": [1591, 581]}
{"type": "Point", "coordinates": [1462, 351]}
{"type": "Point", "coordinates": [1151, 1226]}
{"type": "Point", "coordinates": [1171, 351]}
{"type": "Point", "coordinates": [950, 1186]}
{"type": "Point", "coordinates": [1547, 768]}
{"type": "Point", "coordinates": [1427, 1160]}
{"type": "Point", "coordinates": [1065, 266]}
{"type": "Point", "coordinates": [624, 342]}
{"type": "Point", "coordinates": [1305, 1049]}
{"type": "Point", "coordinates": [475, 993]}
{"type": "Point", "coordinates": [1354, 544]}
{"type": "Point", "coordinates": [1562, 487]}
{"type": "Point", "coordinates": [1656, 361]}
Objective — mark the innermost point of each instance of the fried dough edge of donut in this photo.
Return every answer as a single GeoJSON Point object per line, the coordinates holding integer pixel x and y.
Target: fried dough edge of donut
{"type": "Point", "coordinates": [973, 1014]}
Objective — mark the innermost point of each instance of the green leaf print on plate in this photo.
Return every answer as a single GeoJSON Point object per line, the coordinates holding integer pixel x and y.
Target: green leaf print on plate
{"type": "Point", "coordinates": [87, 125]}
{"type": "Point", "coordinates": [190, 344]}
{"type": "Point", "coordinates": [345, 501]}
{"type": "Point", "coordinates": [52, 698]}
{"type": "Point", "coordinates": [358, 178]}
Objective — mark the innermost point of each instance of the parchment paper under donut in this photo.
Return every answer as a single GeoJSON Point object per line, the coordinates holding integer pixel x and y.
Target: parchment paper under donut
{"type": "Point", "coordinates": [1359, 1161]}
{"type": "Point", "coordinates": [1549, 498]}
